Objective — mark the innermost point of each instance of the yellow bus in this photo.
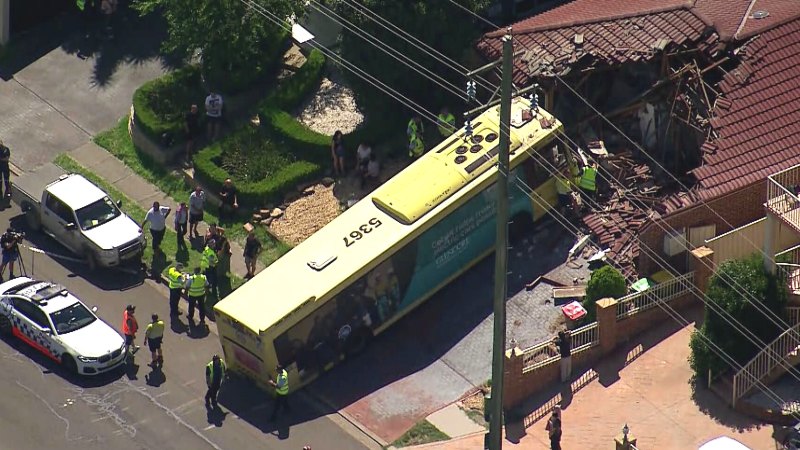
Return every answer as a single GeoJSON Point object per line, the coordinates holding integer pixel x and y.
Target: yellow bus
{"type": "Point", "coordinates": [323, 300]}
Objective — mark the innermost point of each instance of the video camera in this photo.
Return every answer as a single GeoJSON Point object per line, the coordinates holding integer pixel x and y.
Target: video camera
{"type": "Point", "coordinates": [11, 239]}
{"type": "Point", "coordinates": [14, 235]}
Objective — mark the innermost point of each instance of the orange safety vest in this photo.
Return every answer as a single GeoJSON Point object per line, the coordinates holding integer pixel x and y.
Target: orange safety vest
{"type": "Point", "coordinates": [126, 330]}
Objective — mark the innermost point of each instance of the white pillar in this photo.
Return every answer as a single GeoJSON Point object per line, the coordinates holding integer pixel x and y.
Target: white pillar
{"type": "Point", "coordinates": [5, 21]}
{"type": "Point", "coordinates": [770, 236]}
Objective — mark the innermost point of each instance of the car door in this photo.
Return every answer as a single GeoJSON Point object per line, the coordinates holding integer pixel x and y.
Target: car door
{"type": "Point", "coordinates": [32, 326]}
{"type": "Point", "coordinates": [56, 216]}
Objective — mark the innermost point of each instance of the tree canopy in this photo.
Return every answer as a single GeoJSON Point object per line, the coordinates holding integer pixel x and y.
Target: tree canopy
{"type": "Point", "coordinates": [231, 37]}
{"type": "Point", "coordinates": [766, 290]}
{"type": "Point", "coordinates": [439, 24]}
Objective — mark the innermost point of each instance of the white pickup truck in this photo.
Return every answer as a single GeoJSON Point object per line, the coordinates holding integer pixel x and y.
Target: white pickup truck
{"type": "Point", "coordinates": [79, 215]}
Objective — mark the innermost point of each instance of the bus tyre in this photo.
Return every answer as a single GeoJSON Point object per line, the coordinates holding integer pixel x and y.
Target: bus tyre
{"type": "Point", "coordinates": [5, 326]}
{"type": "Point", "coordinates": [358, 341]}
{"type": "Point", "coordinates": [32, 218]}
{"type": "Point", "coordinates": [69, 364]}
{"type": "Point", "coordinates": [521, 224]}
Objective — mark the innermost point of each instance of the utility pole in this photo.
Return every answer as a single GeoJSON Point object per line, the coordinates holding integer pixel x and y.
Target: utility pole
{"type": "Point", "coordinates": [494, 440]}
{"type": "Point", "coordinates": [501, 251]}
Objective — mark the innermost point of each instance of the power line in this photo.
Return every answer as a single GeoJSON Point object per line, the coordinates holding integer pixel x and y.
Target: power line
{"type": "Point", "coordinates": [419, 44]}
{"type": "Point", "coordinates": [389, 50]}
{"type": "Point", "coordinates": [424, 113]}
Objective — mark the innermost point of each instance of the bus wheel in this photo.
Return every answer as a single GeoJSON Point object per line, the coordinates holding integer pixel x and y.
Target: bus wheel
{"type": "Point", "coordinates": [521, 224]}
{"type": "Point", "coordinates": [358, 341]}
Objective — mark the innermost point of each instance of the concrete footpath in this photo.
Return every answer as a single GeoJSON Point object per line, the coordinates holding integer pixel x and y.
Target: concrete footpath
{"type": "Point", "coordinates": [108, 167]}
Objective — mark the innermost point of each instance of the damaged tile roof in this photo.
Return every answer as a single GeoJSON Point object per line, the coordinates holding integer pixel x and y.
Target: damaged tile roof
{"type": "Point", "coordinates": [757, 117]}
{"type": "Point", "coordinates": [589, 33]}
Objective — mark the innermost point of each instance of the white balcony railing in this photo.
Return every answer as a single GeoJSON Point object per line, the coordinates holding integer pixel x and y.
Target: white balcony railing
{"type": "Point", "coordinates": [662, 292]}
{"type": "Point", "coordinates": [782, 198]}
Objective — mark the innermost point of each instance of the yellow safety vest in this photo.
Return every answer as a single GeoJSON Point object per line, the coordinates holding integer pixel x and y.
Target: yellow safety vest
{"type": "Point", "coordinates": [208, 258]}
{"type": "Point", "coordinates": [282, 383]}
{"type": "Point", "coordinates": [563, 186]}
{"type": "Point", "coordinates": [416, 147]}
{"type": "Point", "coordinates": [412, 128]}
{"type": "Point", "coordinates": [197, 286]}
{"type": "Point", "coordinates": [210, 371]}
{"type": "Point", "coordinates": [447, 124]}
{"type": "Point", "coordinates": [588, 179]}
{"type": "Point", "coordinates": [175, 277]}
{"type": "Point", "coordinates": [154, 330]}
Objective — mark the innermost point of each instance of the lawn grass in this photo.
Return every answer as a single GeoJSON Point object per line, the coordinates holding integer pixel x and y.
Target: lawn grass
{"type": "Point", "coordinates": [423, 432]}
{"type": "Point", "coordinates": [189, 257]}
{"type": "Point", "coordinates": [118, 142]}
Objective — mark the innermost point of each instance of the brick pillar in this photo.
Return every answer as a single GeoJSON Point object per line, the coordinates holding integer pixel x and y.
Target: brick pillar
{"type": "Point", "coordinates": [702, 264]}
{"type": "Point", "coordinates": [607, 324]}
{"type": "Point", "coordinates": [513, 388]}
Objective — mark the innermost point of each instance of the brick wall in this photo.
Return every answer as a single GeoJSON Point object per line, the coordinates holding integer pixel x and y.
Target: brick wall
{"type": "Point", "coordinates": [520, 385]}
{"type": "Point", "coordinates": [737, 208]}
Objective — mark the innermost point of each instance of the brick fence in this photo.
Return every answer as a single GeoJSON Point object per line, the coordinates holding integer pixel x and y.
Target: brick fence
{"type": "Point", "coordinates": [532, 370]}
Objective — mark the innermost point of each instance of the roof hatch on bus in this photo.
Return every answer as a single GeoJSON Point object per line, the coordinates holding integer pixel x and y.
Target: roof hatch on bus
{"type": "Point", "coordinates": [426, 184]}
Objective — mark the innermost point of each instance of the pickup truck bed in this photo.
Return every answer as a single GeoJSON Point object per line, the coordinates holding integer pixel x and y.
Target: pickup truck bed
{"type": "Point", "coordinates": [32, 184]}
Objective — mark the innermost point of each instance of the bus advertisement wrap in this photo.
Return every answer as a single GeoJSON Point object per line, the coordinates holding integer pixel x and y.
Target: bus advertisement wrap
{"type": "Point", "coordinates": [343, 324]}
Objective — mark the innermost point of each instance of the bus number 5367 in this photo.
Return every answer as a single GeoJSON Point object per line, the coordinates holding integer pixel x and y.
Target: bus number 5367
{"type": "Point", "coordinates": [356, 235]}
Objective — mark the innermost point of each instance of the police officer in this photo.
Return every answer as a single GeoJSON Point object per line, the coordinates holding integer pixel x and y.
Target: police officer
{"type": "Point", "coordinates": [208, 262]}
{"type": "Point", "coordinates": [215, 374]}
{"type": "Point", "coordinates": [281, 385]}
{"type": "Point", "coordinates": [153, 335]}
{"type": "Point", "coordinates": [177, 281]}
{"type": "Point", "coordinates": [446, 122]}
{"type": "Point", "coordinates": [196, 291]}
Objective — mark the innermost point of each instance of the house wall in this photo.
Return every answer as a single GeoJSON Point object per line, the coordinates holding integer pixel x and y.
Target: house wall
{"type": "Point", "coordinates": [737, 208]}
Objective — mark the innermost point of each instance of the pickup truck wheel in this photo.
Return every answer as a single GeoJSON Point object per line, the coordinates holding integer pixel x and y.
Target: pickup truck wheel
{"type": "Point", "coordinates": [32, 218]}
{"type": "Point", "coordinates": [91, 259]}
{"type": "Point", "coordinates": [5, 326]}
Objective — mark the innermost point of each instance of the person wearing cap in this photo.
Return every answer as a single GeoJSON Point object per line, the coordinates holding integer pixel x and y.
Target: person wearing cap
{"type": "Point", "coordinates": [153, 335]}
{"type": "Point", "coordinates": [281, 385]}
{"type": "Point", "coordinates": [129, 329]}
{"type": "Point", "coordinates": [553, 429]}
{"type": "Point", "coordinates": [215, 374]}
{"type": "Point", "coordinates": [196, 286]}
{"type": "Point", "coordinates": [176, 280]}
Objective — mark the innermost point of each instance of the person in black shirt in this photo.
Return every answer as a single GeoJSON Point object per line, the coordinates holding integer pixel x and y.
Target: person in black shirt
{"type": "Point", "coordinates": [230, 203]}
{"type": "Point", "coordinates": [192, 128]}
{"type": "Point", "coordinates": [565, 350]}
{"type": "Point", "coordinates": [5, 156]}
{"type": "Point", "coordinates": [10, 248]}
{"type": "Point", "coordinates": [252, 247]}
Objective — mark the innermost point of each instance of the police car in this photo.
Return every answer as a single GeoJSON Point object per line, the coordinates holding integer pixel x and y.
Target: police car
{"type": "Point", "coordinates": [50, 319]}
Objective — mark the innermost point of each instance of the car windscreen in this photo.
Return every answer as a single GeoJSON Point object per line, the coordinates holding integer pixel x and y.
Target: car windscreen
{"type": "Point", "coordinates": [97, 213]}
{"type": "Point", "coordinates": [72, 318]}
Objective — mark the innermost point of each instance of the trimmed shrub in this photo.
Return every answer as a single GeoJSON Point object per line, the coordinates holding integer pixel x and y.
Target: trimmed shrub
{"type": "Point", "coordinates": [604, 282]}
{"type": "Point", "coordinates": [270, 189]}
{"type": "Point", "coordinates": [159, 104]}
{"type": "Point", "coordinates": [289, 94]}
{"type": "Point", "coordinates": [233, 75]}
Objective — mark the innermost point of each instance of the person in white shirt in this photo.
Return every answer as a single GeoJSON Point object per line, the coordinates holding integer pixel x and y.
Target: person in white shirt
{"type": "Point", "coordinates": [372, 171]}
{"type": "Point", "coordinates": [157, 216]}
{"type": "Point", "coordinates": [213, 115]}
{"type": "Point", "coordinates": [197, 205]}
{"type": "Point", "coordinates": [362, 157]}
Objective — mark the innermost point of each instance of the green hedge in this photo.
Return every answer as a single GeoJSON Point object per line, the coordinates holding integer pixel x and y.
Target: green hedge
{"type": "Point", "coordinates": [294, 90]}
{"type": "Point", "coordinates": [256, 194]}
{"type": "Point", "coordinates": [160, 104]}
{"type": "Point", "coordinates": [241, 74]}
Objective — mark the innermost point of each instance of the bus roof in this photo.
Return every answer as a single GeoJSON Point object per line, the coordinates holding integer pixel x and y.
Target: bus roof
{"type": "Point", "coordinates": [404, 207]}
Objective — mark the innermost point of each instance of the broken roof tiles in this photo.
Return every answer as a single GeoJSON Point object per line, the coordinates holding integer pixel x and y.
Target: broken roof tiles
{"type": "Point", "coordinates": [549, 50]}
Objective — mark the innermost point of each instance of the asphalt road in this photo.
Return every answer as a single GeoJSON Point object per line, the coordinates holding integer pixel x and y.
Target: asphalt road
{"type": "Point", "coordinates": [42, 407]}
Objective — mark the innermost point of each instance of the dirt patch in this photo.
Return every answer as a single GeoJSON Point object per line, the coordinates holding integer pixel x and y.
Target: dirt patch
{"type": "Point", "coordinates": [306, 215]}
